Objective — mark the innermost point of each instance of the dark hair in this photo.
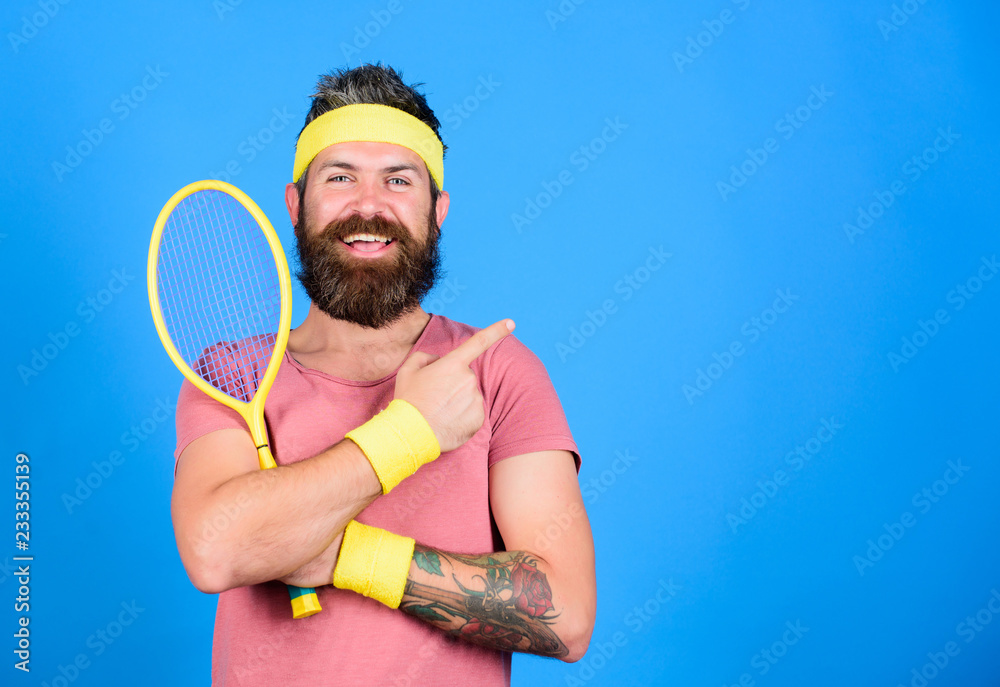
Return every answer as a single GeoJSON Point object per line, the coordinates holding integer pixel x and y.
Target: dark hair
{"type": "Point", "coordinates": [369, 84]}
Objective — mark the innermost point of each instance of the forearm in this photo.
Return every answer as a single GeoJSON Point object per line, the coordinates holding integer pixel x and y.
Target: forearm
{"type": "Point", "coordinates": [263, 524]}
{"type": "Point", "coordinates": [500, 600]}
{"type": "Point", "coordinates": [236, 525]}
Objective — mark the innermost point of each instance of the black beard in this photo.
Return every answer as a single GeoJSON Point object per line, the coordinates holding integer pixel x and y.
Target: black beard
{"type": "Point", "coordinates": [370, 293]}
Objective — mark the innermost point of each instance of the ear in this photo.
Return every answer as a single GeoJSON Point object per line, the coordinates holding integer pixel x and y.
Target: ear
{"type": "Point", "coordinates": [292, 202]}
{"type": "Point", "coordinates": [441, 210]}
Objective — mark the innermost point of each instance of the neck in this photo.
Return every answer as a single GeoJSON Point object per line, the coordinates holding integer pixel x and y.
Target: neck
{"type": "Point", "coordinates": [349, 351]}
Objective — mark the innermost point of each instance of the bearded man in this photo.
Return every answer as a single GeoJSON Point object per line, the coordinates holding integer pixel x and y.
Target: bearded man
{"type": "Point", "coordinates": [427, 479]}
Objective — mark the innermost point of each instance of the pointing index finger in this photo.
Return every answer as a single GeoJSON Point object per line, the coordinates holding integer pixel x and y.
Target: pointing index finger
{"type": "Point", "coordinates": [479, 342]}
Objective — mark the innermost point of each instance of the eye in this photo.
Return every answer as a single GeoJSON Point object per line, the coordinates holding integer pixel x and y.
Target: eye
{"type": "Point", "coordinates": [401, 181]}
{"type": "Point", "coordinates": [338, 177]}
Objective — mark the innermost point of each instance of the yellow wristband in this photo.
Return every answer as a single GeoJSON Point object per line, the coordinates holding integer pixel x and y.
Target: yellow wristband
{"type": "Point", "coordinates": [397, 441]}
{"type": "Point", "coordinates": [374, 562]}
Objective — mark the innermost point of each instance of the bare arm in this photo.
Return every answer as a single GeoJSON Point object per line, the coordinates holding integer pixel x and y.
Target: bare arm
{"type": "Point", "coordinates": [539, 596]}
{"type": "Point", "coordinates": [237, 525]}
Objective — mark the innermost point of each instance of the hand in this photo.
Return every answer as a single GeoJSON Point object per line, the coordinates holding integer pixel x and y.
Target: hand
{"type": "Point", "coordinates": [318, 571]}
{"type": "Point", "coordinates": [445, 390]}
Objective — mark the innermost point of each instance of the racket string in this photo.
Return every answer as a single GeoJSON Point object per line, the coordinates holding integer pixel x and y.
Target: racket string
{"type": "Point", "coordinates": [219, 291]}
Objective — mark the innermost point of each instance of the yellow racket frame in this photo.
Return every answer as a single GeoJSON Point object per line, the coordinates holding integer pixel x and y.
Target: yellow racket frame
{"type": "Point", "coordinates": [253, 412]}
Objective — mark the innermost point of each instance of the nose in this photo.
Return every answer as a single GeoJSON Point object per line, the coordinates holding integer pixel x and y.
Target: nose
{"type": "Point", "coordinates": [369, 199]}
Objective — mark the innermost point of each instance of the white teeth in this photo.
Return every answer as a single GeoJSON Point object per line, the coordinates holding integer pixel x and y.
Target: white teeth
{"type": "Point", "coordinates": [365, 237]}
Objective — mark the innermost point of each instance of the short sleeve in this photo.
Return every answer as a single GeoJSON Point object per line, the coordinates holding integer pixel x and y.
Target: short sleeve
{"type": "Point", "coordinates": [197, 413]}
{"type": "Point", "coordinates": [525, 414]}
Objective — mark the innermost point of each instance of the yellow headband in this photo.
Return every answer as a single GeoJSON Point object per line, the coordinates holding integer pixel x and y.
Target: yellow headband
{"type": "Point", "coordinates": [369, 122]}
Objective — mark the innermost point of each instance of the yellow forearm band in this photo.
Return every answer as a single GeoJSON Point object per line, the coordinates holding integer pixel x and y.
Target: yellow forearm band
{"type": "Point", "coordinates": [374, 563]}
{"type": "Point", "coordinates": [397, 441]}
{"type": "Point", "coordinates": [369, 122]}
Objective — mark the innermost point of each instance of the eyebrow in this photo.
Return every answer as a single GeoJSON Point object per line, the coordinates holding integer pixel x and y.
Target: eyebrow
{"type": "Point", "coordinates": [342, 164]}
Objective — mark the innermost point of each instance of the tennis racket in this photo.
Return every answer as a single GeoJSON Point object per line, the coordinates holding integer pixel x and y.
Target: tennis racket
{"type": "Point", "coordinates": [221, 298]}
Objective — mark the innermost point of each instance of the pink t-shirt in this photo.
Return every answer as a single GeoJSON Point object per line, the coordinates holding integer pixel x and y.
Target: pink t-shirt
{"type": "Point", "coordinates": [358, 641]}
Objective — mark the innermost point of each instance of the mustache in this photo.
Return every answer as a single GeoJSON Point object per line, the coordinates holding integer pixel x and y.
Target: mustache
{"type": "Point", "coordinates": [356, 224]}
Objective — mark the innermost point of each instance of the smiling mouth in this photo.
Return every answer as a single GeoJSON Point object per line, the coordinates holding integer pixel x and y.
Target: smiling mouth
{"type": "Point", "coordinates": [367, 243]}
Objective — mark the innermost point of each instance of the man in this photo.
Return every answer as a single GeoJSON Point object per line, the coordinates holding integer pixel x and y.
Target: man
{"type": "Point", "coordinates": [441, 533]}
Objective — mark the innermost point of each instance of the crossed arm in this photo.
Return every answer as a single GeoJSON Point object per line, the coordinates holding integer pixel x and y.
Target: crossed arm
{"type": "Point", "coordinates": [286, 523]}
{"type": "Point", "coordinates": [538, 596]}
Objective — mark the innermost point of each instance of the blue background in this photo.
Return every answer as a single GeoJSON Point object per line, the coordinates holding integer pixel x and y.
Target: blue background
{"type": "Point", "coordinates": [688, 594]}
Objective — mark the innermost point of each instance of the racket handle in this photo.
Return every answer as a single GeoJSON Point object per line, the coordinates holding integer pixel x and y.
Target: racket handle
{"type": "Point", "coordinates": [304, 601]}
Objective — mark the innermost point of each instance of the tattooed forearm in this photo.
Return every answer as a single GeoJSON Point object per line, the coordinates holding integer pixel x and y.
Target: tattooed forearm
{"type": "Point", "coordinates": [499, 600]}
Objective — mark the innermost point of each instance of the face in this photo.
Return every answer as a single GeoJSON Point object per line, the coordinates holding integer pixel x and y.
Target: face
{"type": "Point", "coordinates": [367, 233]}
